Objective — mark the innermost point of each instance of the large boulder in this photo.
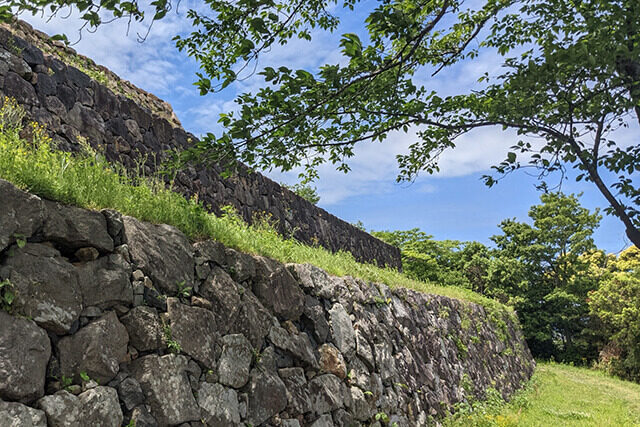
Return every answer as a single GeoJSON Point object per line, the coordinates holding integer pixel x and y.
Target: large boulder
{"type": "Point", "coordinates": [46, 286]}
{"type": "Point", "coordinates": [14, 414]}
{"type": "Point", "coordinates": [105, 282]}
{"type": "Point", "coordinates": [166, 387]}
{"type": "Point", "coordinates": [63, 409]}
{"type": "Point", "coordinates": [100, 407]}
{"type": "Point", "coordinates": [235, 360]}
{"type": "Point", "coordinates": [144, 328]}
{"type": "Point", "coordinates": [194, 329]}
{"type": "Point", "coordinates": [219, 405]}
{"type": "Point", "coordinates": [162, 252]}
{"type": "Point", "coordinates": [267, 396]}
{"type": "Point", "coordinates": [21, 214]}
{"type": "Point", "coordinates": [277, 289]}
{"type": "Point", "coordinates": [24, 354]}
{"type": "Point", "coordinates": [298, 400]}
{"type": "Point", "coordinates": [75, 228]}
{"type": "Point", "coordinates": [96, 349]}
{"type": "Point", "coordinates": [342, 332]}
{"type": "Point", "coordinates": [296, 344]}
{"type": "Point", "coordinates": [253, 321]}
{"type": "Point", "coordinates": [327, 393]}
{"type": "Point", "coordinates": [224, 295]}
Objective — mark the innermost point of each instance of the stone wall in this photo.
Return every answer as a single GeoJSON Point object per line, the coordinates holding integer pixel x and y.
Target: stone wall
{"type": "Point", "coordinates": [116, 320]}
{"type": "Point", "coordinates": [132, 127]}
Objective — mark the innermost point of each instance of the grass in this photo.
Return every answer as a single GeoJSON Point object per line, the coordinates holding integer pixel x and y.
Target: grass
{"type": "Point", "coordinates": [89, 181]}
{"type": "Point", "coordinates": [561, 395]}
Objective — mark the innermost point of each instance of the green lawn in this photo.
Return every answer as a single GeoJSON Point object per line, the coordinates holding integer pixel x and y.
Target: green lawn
{"type": "Point", "coordinates": [562, 395]}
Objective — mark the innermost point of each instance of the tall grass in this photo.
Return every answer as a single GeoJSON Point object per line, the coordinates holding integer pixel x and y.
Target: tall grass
{"type": "Point", "coordinates": [89, 180]}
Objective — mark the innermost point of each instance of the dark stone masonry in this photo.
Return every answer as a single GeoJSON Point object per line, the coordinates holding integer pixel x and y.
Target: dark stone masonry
{"type": "Point", "coordinates": [97, 337]}
{"type": "Point", "coordinates": [131, 126]}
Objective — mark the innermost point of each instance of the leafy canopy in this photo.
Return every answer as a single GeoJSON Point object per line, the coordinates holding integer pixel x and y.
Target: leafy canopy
{"type": "Point", "coordinates": [570, 77]}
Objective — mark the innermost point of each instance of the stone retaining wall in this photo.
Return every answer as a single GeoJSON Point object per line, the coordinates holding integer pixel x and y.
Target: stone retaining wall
{"type": "Point", "coordinates": [130, 125]}
{"type": "Point", "coordinates": [116, 320]}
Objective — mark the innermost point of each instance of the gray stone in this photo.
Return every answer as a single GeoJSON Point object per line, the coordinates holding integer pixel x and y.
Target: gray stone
{"type": "Point", "coordinates": [19, 89]}
{"type": "Point", "coordinates": [363, 349]}
{"type": "Point", "coordinates": [130, 393]}
{"type": "Point", "coordinates": [21, 214]}
{"type": "Point", "coordinates": [360, 408]}
{"type": "Point", "coordinates": [14, 414]}
{"type": "Point", "coordinates": [323, 421]}
{"type": "Point", "coordinates": [278, 290]}
{"type": "Point", "coordinates": [253, 321]}
{"type": "Point", "coordinates": [212, 251]}
{"type": "Point", "coordinates": [144, 328]}
{"type": "Point", "coordinates": [240, 266]}
{"type": "Point", "coordinates": [297, 390]}
{"type": "Point", "coordinates": [314, 319]}
{"type": "Point", "coordinates": [100, 407]}
{"type": "Point", "coordinates": [141, 417]}
{"type": "Point", "coordinates": [385, 361]}
{"type": "Point", "coordinates": [194, 328]}
{"type": "Point", "coordinates": [298, 345]}
{"type": "Point", "coordinates": [290, 423]}
{"type": "Point", "coordinates": [235, 360]}
{"type": "Point", "coordinates": [86, 119]}
{"type": "Point", "coordinates": [24, 354]}
{"type": "Point", "coordinates": [267, 396]}
{"type": "Point", "coordinates": [76, 228]}
{"type": "Point", "coordinates": [115, 227]}
{"type": "Point", "coordinates": [105, 282]}
{"type": "Point", "coordinates": [96, 349]}
{"type": "Point", "coordinates": [16, 64]}
{"type": "Point", "coordinates": [166, 387]}
{"type": "Point", "coordinates": [326, 392]}
{"type": "Point", "coordinates": [219, 405]}
{"type": "Point", "coordinates": [46, 287]}
{"type": "Point", "coordinates": [162, 252]}
{"type": "Point", "coordinates": [342, 330]}
{"type": "Point", "coordinates": [224, 295]}
{"type": "Point", "coordinates": [63, 409]}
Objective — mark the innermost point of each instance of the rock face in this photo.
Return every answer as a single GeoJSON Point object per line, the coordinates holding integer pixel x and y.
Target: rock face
{"type": "Point", "coordinates": [253, 342]}
{"type": "Point", "coordinates": [21, 215]}
{"type": "Point", "coordinates": [166, 387]}
{"type": "Point", "coordinates": [46, 286]}
{"type": "Point", "coordinates": [24, 354]}
{"type": "Point", "coordinates": [70, 104]}
{"type": "Point", "coordinates": [162, 252]}
{"type": "Point", "coordinates": [97, 349]}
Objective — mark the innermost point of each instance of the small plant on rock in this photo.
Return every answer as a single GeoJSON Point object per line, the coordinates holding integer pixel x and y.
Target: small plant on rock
{"type": "Point", "coordinates": [7, 295]}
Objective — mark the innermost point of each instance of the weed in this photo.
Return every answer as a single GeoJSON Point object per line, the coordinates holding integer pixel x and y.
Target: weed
{"type": "Point", "coordinates": [172, 345]}
{"type": "Point", "coordinates": [183, 290]}
{"type": "Point", "coordinates": [382, 417]}
{"type": "Point", "coordinates": [7, 295]}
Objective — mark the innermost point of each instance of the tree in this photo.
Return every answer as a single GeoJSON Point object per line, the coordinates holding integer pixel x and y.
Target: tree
{"type": "Point", "coordinates": [616, 306]}
{"type": "Point", "coordinates": [445, 262]}
{"type": "Point", "coordinates": [306, 191]}
{"type": "Point", "coordinates": [571, 77]}
{"type": "Point", "coordinates": [542, 269]}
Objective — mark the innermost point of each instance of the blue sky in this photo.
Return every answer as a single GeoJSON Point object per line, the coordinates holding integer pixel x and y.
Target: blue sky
{"type": "Point", "coordinates": [453, 204]}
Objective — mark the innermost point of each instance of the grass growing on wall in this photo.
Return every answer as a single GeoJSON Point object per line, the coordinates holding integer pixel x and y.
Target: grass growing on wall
{"type": "Point", "coordinates": [560, 395]}
{"type": "Point", "coordinates": [89, 181]}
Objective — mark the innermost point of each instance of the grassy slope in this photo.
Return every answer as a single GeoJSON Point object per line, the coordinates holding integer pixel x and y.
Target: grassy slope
{"type": "Point", "coordinates": [562, 395]}
{"type": "Point", "coordinates": [89, 181]}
